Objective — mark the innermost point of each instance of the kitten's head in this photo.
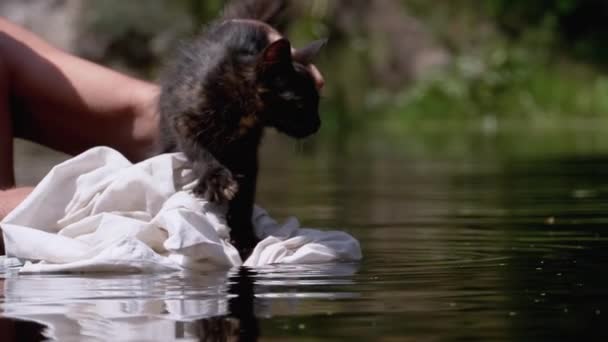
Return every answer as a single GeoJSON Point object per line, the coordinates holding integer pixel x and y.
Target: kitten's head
{"type": "Point", "coordinates": [288, 90]}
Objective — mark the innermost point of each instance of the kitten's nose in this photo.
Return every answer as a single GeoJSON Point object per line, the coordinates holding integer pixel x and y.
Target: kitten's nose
{"type": "Point", "coordinates": [316, 75]}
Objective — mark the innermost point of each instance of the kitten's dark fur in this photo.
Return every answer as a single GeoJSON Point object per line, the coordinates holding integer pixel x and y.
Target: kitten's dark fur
{"type": "Point", "coordinates": [219, 94]}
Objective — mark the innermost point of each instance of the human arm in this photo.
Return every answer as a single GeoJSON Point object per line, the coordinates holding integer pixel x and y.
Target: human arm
{"type": "Point", "coordinates": [70, 104]}
{"type": "Point", "coordinates": [59, 100]}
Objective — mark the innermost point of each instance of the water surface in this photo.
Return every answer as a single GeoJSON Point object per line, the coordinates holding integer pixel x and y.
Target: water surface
{"type": "Point", "coordinates": [487, 237]}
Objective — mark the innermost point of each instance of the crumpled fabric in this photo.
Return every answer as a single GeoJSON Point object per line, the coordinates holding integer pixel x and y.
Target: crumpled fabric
{"type": "Point", "coordinates": [98, 212]}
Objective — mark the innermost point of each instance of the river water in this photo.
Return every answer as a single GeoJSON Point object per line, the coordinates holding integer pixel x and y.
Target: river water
{"type": "Point", "coordinates": [489, 237]}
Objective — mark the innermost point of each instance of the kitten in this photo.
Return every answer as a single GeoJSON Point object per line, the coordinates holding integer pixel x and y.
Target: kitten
{"type": "Point", "coordinates": [222, 90]}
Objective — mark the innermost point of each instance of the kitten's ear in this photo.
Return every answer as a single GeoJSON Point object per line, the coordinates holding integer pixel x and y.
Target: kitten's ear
{"type": "Point", "coordinates": [276, 54]}
{"type": "Point", "coordinates": [307, 54]}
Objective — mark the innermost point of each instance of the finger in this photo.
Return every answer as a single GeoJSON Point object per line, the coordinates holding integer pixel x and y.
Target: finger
{"type": "Point", "coordinates": [317, 76]}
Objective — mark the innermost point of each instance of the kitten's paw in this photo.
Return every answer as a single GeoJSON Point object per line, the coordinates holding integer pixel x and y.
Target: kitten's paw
{"type": "Point", "coordinates": [217, 185]}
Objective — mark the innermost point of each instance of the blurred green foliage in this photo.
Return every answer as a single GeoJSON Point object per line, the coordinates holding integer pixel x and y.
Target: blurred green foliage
{"type": "Point", "coordinates": [580, 25]}
{"type": "Point", "coordinates": [540, 61]}
{"type": "Point", "coordinates": [508, 81]}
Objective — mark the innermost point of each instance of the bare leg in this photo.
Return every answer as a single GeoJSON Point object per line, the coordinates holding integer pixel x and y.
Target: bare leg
{"type": "Point", "coordinates": [9, 200]}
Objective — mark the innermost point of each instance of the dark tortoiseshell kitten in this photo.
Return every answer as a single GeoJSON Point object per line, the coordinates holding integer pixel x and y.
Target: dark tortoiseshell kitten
{"type": "Point", "coordinates": [219, 94]}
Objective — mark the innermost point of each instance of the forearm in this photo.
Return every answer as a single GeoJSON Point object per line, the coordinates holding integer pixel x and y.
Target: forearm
{"type": "Point", "coordinates": [71, 104]}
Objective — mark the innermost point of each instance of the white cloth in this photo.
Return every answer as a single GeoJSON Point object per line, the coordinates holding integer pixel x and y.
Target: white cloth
{"type": "Point", "coordinates": [98, 212]}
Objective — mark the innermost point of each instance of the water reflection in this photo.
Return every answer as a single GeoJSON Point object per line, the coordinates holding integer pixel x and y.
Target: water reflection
{"type": "Point", "coordinates": [241, 310]}
{"type": "Point", "coordinates": [19, 330]}
{"type": "Point", "coordinates": [218, 306]}
{"type": "Point", "coordinates": [115, 308]}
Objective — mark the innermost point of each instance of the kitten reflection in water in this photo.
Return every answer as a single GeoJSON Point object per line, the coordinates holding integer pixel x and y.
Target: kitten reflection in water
{"type": "Point", "coordinates": [241, 323]}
